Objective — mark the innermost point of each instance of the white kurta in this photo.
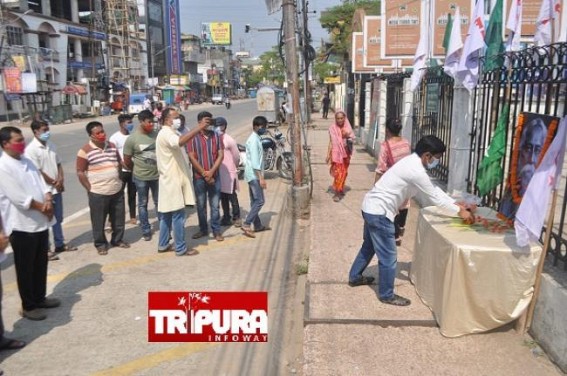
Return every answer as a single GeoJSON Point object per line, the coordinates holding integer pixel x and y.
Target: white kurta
{"type": "Point", "coordinates": [175, 187]}
{"type": "Point", "coordinates": [228, 170]}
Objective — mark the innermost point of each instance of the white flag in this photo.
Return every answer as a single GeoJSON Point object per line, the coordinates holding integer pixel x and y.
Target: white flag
{"type": "Point", "coordinates": [531, 212]}
{"type": "Point", "coordinates": [514, 24]}
{"type": "Point", "coordinates": [467, 72]}
{"type": "Point", "coordinates": [549, 12]}
{"type": "Point", "coordinates": [420, 59]}
{"type": "Point", "coordinates": [455, 48]}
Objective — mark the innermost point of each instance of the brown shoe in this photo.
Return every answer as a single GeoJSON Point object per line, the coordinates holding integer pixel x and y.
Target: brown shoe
{"type": "Point", "coordinates": [248, 232]}
{"type": "Point", "coordinates": [65, 248]}
{"type": "Point", "coordinates": [33, 314]}
{"type": "Point", "coordinates": [219, 237]}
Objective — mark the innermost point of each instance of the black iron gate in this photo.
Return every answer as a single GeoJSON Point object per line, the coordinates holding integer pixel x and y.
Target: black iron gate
{"type": "Point", "coordinates": [431, 115]}
{"type": "Point", "coordinates": [535, 82]}
{"type": "Point", "coordinates": [394, 94]}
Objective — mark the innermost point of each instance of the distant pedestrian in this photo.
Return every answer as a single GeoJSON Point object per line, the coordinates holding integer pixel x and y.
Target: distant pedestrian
{"type": "Point", "coordinates": [254, 175]}
{"type": "Point", "coordinates": [98, 169]}
{"type": "Point", "coordinates": [341, 145]}
{"type": "Point", "coordinates": [43, 153]}
{"type": "Point", "coordinates": [27, 211]}
{"type": "Point", "coordinates": [326, 102]}
{"type": "Point", "coordinates": [229, 176]}
{"type": "Point", "coordinates": [206, 153]}
{"type": "Point", "coordinates": [175, 188]}
{"type": "Point", "coordinates": [392, 150]}
{"type": "Point", "coordinates": [140, 157]}
{"type": "Point", "coordinates": [401, 182]}
{"type": "Point", "coordinates": [119, 139]}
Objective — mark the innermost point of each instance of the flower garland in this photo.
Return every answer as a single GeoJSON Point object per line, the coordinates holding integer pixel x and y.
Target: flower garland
{"type": "Point", "coordinates": [513, 183]}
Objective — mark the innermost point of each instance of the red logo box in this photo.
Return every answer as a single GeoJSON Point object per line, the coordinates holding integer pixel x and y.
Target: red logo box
{"type": "Point", "coordinates": [207, 316]}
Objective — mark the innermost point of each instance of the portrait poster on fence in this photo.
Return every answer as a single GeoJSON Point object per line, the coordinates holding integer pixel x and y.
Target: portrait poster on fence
{"type": "Point", "coordinates": [534, 133]}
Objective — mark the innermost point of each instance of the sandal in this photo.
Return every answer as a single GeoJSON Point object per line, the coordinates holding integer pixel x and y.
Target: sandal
{"type": "Point", "coordinates": [362, 281]}
{"type": "Point", "coordinates": [336, 198]}
{"type": "Point", "coordinates": [12, 344]}
{"type": "Point", "coordinates": [102, 251]}
{"type": "Point", "coordinates": [397, 301]}
{"type": "Point", "coordinates": [248, 232]}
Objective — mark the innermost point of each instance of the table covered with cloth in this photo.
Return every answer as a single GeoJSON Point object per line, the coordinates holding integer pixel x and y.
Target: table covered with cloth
{"type": "Point", "coordinates": [472, 279]}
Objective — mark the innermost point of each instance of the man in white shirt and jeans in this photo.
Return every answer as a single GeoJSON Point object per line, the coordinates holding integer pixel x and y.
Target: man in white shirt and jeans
{"type": "Point", "coordinates": [405, 179]}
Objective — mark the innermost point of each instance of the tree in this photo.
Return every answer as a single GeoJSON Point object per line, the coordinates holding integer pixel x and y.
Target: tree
{"type": "Point", "coordinates": [338, 22]}
{"type": "Point", "coordinates": [324, 69]}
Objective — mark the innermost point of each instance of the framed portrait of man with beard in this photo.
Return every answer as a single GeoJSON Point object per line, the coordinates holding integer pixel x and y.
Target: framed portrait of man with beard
{"type": "Point", "coordinates": [533, 136]}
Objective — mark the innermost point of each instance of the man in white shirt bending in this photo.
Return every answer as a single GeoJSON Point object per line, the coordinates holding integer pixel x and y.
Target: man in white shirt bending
{"type": "Point", "coordinates": [405, 179]}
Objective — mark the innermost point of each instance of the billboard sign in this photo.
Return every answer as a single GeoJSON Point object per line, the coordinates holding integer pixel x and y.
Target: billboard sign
{"type": "Point", "coordinates": [358, 54]}
{"type": "Point", "coordinates": [372, 43]}
{"type": "Point", "coordinates": [441, 10]}
{"type": "Point", "coordinates": [401, 24]}
{"type": "Point", "coordinates": [216, 33]}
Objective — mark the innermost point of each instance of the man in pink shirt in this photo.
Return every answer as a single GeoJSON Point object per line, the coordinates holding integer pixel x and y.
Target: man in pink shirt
{"type": "Point", "coordinates": [229, 176]}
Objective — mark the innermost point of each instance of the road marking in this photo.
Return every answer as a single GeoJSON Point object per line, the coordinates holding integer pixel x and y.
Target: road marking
{"type": "Point", "coordinates": [153, 360]}
{"type": "Point", "coordinates": [77, 214]}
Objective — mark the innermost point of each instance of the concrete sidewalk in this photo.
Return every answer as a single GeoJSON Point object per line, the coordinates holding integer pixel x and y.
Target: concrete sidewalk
{"type": "Point", "coordinates": [349, 332]}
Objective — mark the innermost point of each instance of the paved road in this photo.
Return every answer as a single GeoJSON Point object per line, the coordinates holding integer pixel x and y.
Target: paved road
{"type": "Point", "coordinates": [101, 327]}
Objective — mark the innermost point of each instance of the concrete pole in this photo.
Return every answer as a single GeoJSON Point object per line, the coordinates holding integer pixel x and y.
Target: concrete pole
{"type": "Point", "coordinates": [459, 148]}
{"type": "Point", "coordinates": [292, 75]}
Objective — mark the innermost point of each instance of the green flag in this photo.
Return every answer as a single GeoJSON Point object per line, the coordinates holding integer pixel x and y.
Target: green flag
{"type": "Point", "coordinates": [493, 39]}
{"type": "Point", "coordinates": [447, 35]}
{"type": "Point", "coordinates": [490, 173]}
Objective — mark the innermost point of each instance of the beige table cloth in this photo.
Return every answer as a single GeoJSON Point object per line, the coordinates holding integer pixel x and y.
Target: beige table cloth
{"type": "Point", "coordinates": [471, 279]}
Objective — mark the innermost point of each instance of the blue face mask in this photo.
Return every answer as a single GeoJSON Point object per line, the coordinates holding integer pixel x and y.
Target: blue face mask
{"type": "Point", "coordinates": [130, 127]}
{"type": "Point", "coordinates": [261, 131]}
{"type": "Point", "coordinates": [218, 131]}
{"type": "Point", "coordinates": [44, 136]}
{"type": "Point", "coordinates": [434, 163]}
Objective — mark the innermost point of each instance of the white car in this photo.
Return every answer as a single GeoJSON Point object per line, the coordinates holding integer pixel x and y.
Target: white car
{"type": "Point", "coordinates": [217, 99]}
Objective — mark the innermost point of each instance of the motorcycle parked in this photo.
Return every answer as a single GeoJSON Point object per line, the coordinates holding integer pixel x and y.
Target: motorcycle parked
{"type": "Point", "coordinates": [275, 155]}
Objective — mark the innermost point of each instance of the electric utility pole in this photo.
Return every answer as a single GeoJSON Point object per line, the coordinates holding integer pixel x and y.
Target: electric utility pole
{"type": "Point", "coordinates": [292, 75]}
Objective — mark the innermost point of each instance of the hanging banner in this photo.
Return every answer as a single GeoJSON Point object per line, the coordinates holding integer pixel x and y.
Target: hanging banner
{"type": "Point", "coordinates": [12, 80]}
{"type": "Point", "coordinates": [29, 83]}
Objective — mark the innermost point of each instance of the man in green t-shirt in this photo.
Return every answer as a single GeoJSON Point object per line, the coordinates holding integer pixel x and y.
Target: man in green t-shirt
{"type": "Point", "coordinates": [140, 157]}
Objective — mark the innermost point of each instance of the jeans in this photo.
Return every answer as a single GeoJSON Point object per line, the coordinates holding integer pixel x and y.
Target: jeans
{"type": "Point", "coordinates": [172, 220]}
{"type": "Point", "coordinates": [143, 189]}
{"type": "Point", "coordinates": [57, 229]}
{"type": "Point", "coordinates": [103, 206]}
{"type": "Point", "coordinates": [30, 261]}
{"type": "Point", "coordinates": [378, 239]}
{"type": "Point", "coordinates": [256, 203]}
{"type": "Point", "coordinates": [202, 190]}
{"type": "Point", "coordinates": [227, 200]}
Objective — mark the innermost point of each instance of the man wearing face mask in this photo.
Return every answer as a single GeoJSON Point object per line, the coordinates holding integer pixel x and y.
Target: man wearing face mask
{"type": "Point", "coordinates": [140, 156]}
{"type": "Point", "coordinates": [175, 188]}
{"type": "Point", "coordinates": [126, 126]}
{"type": "Point", "coordinates": [254, 175]}
{"type": "Point", "coordinates": [206, 152]}
{"type": "Point", "coordinates": [98, 169]}
{"type": "Point", "coordinates": [404, 180]}
{"type": "Point", "coordinates": [27, 211]}
{"type": "Point", "coordinates": [42, 152]}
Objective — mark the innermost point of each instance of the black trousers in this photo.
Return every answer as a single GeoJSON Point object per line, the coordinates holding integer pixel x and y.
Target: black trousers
{"type": "Point", "coordinates": [228, 199]}
{"type": "Point", "coordinates": [30, 260]}
{"type": "Point", "coordinates": [103, 206]}
{"type": "Point", "coordinates": [1, 319]}
{"type": "Point", "coordinates": [131, 187]}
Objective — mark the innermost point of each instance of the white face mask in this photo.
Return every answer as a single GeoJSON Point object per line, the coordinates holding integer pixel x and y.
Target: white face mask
{"type": "Point", "coordinates": [176, 124]}
{"type": "Point", "coordinates": [431, 165]}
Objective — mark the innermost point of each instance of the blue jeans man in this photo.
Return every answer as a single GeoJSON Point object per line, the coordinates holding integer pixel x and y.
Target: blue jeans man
{"type": "Point", "coordinates": [58, 238]}
{"type": "Point", "coordinates": [143, 188]}
{"type": "Point", "coordinates": [256, 203]}
{"type": "Point", "coordinates": [379, 238]}
{"type": "Point", "coordinates": [175, 221]}
{"type": "Point", "coordinates": [203, 190]}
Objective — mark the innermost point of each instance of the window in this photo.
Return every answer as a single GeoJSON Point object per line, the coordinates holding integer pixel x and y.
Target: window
{"type": "Point", "coordinates": [15, 35]}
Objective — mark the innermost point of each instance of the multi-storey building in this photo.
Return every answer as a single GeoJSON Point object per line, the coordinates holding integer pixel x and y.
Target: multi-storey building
{"type": "Point", "coordinates": [76, 49]}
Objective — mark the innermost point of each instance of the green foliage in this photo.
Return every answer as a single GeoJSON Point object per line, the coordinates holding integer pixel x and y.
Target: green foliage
{"type": "Point", "coordinates": [324, 69]}
{"type": "Point", "coordinates": [338, 22]}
